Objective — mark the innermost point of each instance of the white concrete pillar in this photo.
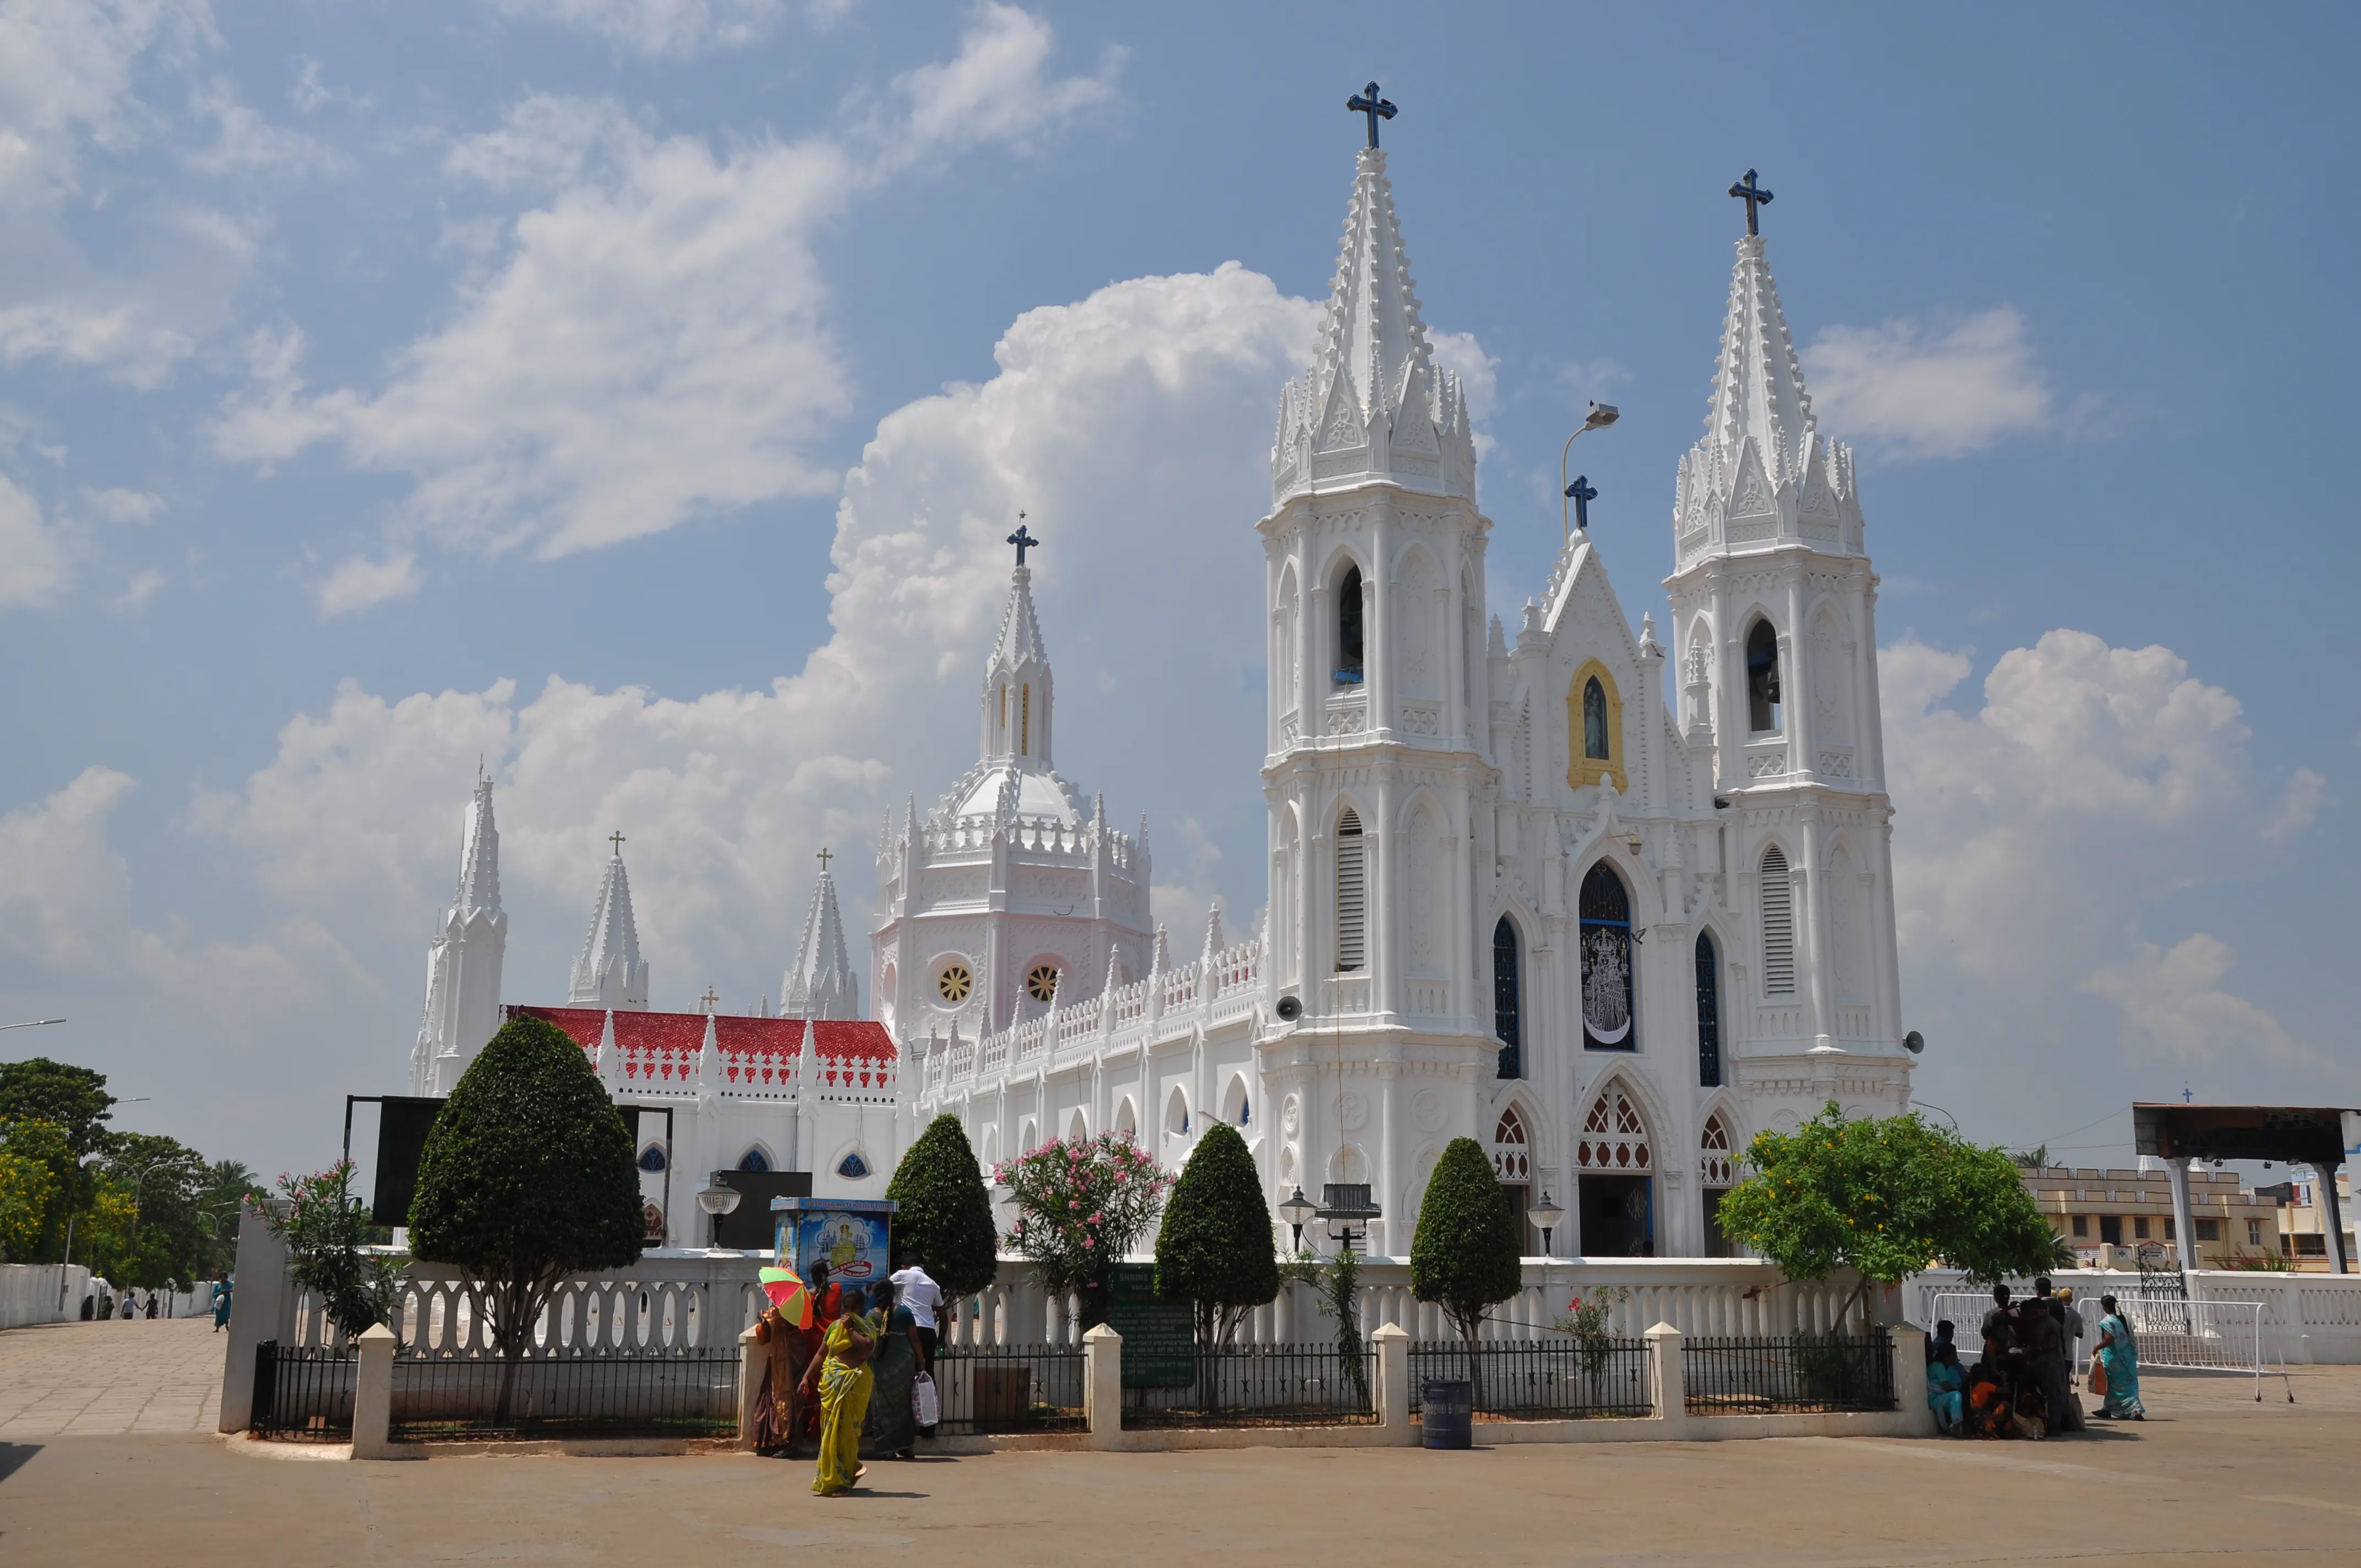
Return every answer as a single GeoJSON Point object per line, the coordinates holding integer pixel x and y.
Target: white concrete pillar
{"type": "Point", "coordinates": [1667, 1388]}
{"type": "Point", "coordinates": [2332, 1218]}
{"type": "Point", "coordinates": [752, 1359]}
{"type": "Point", "coordinates": [1102, 1387]}
{"type": "Point", "coordinates": [2184, 1231]}
{"type": "Point", "coordinates": [263, 1303]}
{"type": "Point", "coordinates": [373, 1397]}
{"type": "Point", "coordinates": [1392, 1344]}
{"type": "Point", "coordinates": [1910, 1378]}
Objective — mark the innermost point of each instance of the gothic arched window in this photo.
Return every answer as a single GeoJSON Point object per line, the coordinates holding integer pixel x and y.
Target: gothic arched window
{"type": "Point", "coordinates": [651, 1159]}
{"type": "Point", "coordinates": [1763, 679]}
{"type": "Point", "coordinates": [1606, 910]}
{"type": "Point", "coordinates": [1594, 722]}
{"type": "Point", "coordinates": [1778, 926]}
{"type": "Point", "coordinates": [1511, 1150]}
{"type": "Point", "coordinates": [1507, 999]}
{"type": "Point", "coordinates": [852, 1167]}
{"type": "Point", "coordinates": [1708, 1005]}
{"type": "Point", "coordinates": [754, 1159]}
{"type": "Point", "coordinates": [1351, 892]}
{"type": "Point", "coordinates": [1348, 627]}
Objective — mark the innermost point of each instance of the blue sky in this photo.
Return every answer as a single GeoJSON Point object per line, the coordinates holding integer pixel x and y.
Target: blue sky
{"type": "Point", "coordinates": [357, 359]}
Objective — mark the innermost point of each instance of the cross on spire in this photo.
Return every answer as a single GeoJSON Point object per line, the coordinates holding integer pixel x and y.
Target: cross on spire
{"type": "Point", "coordinates": [1582, 495]}
{"type": "Point", "coordinates": [1754, 196]}
{"type": "Point", "coordinates": [1023, 538]}
{"type": "Point", "coordinates": [1367, 101]}
{"type": "Point", "coordinates": [824, 857]}
{"type": "Point", "coordinates": [712, 1000]}
{"type": "Point", "coordinates": [615, 838]}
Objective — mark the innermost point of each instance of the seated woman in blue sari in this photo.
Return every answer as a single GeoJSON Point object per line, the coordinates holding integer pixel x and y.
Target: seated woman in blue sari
{"type": "Point", "coordinates": [2119, 1359]}
{"type": "Point", "coordinates": [1945, 1386]}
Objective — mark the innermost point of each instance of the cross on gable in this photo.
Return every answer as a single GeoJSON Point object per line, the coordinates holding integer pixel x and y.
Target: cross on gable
{"type": "Point", "coordinates": [710, 1000]}
{"type": "Point", "coordinates": [1023, 538]}
{"type": "Point", "coordinates": [824, 858]}
{"type": "Point", "coordinates": [1754, 196]}
{"type": "Point", "coordinates": [1582, 495]}
{"type": "Point", "coordinates": [615, 838]}
{"type": "Point", "coordinates": [1367, 101]}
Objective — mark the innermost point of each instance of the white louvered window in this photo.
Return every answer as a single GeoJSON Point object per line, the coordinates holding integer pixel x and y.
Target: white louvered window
{"type": "Point", "coordinates": [1352, 895]}
{"type": "Point", "coordinates": [1778, 926]}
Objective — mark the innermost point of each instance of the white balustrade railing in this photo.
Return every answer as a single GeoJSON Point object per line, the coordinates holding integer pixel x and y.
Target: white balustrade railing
{"type": "Point", "coordinates": [2304, 1317]}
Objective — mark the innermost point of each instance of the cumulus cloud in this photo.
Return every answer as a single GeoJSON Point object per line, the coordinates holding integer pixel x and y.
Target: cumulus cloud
{"type": "Point", "coordinates": [651, 343]}
{"type": "Point", "coordinates": [1919, 391]}
{"type": "Point", "coordinates": [67, 890]}
{"type": "Point", "coordinates": [33, 561]}
{"type": "Point", "coordinates": [2037, 835]}
{"type": "Point", "coordinates": [660, 28]}
{"type": "Point", "coordinates": [1132, 425]}
{"type": "Point", "coordinates": [359, 582]}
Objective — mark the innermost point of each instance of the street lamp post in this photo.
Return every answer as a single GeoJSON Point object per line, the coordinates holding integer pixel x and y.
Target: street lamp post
{"type": "Point", "coordinates": [1600, 416]}
{"type": "Point", "coordinates": [1298, 1211]}
{"type": "Point", "coordinates": [1545, 1215]}
{"type": "Point", "coordinates": [717, 1201]}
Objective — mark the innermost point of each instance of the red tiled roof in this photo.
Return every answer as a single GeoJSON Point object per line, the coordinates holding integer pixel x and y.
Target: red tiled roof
{"type": "Point", "coordinates": [853, 1055]}
{"type": "Point", "coordinates": [659, 1048]}
{"type": "Point", "coordinates": [583, 1026]}
{"type": "Point", "coordinates": [759, 1053]}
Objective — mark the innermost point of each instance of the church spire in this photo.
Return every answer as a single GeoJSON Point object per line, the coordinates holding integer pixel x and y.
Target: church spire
{"type": "Point", "coordinates": [1016, 680]}
{"type": "Point", "coordinates": [462, 964]}
{"type": "Point", "coordinates": [1758, 385]}
{"type": "Point", "coordinates": [1373, 405]}
{"type": "Point", "coordinates": [610, 972]}
{"type": "Point", "coordinates": [819, 982]}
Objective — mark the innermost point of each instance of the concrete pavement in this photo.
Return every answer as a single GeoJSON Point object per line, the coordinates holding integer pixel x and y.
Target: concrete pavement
{"type": "Point", "coordinates": [100, 1379]}
{"type": "Point", "coordinates": [2210, 1477]}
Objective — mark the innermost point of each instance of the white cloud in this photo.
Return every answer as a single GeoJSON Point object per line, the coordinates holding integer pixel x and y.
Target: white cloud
{"type": "Point", "coordinates": [359, 583]}
{"type": "Point", "coordinates": [139, 590]}
{"type": "Point", "coordinates": [2035, 837]}
{"type": "Point", "coordinates": [66, 894]}
{"type": "Point", "coordinates": [996, 88]}
{"type": "Point", "coordinates": [1099, 421]}
{"type": "Point", "coordinates": [245, 143]}
{"type": "Point", "coordinates": [1916, 391]}
{"type": "Point", "coordinates": [124, 506]}
{"type": "Point", "coordinates": [662, 28]}
{"type": "Point", "coordinates": [652, 343]}
{"type": "Point", "coordinates": [34, 566]}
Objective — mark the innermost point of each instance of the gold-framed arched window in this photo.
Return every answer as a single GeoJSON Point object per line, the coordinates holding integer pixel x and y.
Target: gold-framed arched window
{"type": "Point", "coordinates": [1593, 728]}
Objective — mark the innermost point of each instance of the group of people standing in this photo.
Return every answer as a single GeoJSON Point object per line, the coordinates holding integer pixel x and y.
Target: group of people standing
{"type": "Point", "coordinates": [2022, 1385]}
{"type": "Point", "coordinates": [852, 1379]}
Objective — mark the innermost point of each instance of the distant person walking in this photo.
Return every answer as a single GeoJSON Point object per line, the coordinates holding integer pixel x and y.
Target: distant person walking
{"type": "Point", "coordinates": [151, 1306]}
{"type": "Point", "coordinates": [2118, 1359]}
{"type": "Point", "coordinates": [221, 1306]}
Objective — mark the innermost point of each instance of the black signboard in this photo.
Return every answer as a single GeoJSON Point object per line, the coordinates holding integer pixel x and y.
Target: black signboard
{"type": "Point", "coordinates": [1159, 1337]}
{"type": "Point", "coordinates": [403, 1121]}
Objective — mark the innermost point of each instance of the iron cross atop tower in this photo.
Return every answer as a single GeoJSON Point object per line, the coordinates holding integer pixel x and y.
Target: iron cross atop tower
{"type": "Point", "coordinates": [1754, 196]}
{"type": "Point", "coordinates": [1582, 494]}
{"type": "Point", "coordinates": [1367, 101]}
{"type": "Point", "coordinates": [1022, 538]}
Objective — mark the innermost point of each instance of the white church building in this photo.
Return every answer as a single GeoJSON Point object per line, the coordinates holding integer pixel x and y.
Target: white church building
{"type": "Point", "coordinates": [1522, 887]}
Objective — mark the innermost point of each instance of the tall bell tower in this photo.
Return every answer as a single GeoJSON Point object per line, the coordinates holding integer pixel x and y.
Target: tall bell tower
{"type": "Point", "coordinates": [1375, 558]}
{"type": "Point", "coordinates": [1774, 616]}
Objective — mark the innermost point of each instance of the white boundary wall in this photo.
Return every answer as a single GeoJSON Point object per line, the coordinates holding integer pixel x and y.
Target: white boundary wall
{"type": "Point", "coordinates": [28, 1293]}
{"type": "Point", "coordinates": [2306, 1318]}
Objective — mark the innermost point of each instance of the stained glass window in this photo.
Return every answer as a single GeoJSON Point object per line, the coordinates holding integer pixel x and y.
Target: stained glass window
{"type": "Point", "coordinates": [1606, 910]}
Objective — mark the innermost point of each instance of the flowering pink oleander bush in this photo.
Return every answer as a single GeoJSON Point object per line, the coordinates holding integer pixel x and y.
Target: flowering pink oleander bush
{"type": "Point", "coordinates": [1080, 1205]}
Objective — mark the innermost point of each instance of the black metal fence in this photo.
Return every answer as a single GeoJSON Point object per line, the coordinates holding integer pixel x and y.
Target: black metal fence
{"type": "Point", "coordinates": [1561, 1378]}
{"type": "Point", "coordinates": [676, 1392]}
{"type": "Point", "coordinates": [1263, 1386]}
{"type": "Point", "coordinates": [1009, 1389]}
{"type": "Point", "coordinates": [304, 1393]}
{"type": "Point", "coordinates": [1788, 1372]}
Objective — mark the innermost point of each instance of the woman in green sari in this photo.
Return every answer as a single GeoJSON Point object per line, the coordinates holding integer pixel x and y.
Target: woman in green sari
{"type": "Point", "coordinates": [838, 1376]}
{"type": "Point", "coordinates": [2119, 1358]}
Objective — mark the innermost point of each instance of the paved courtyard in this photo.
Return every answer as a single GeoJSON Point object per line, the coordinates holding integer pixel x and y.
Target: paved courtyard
{"type": "Point", "coordinates": [121, 1467]}
{"type": "Point", "coordinates": [104, 1380]}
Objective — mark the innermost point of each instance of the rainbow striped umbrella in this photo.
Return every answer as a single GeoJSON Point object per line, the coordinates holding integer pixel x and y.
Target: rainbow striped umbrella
{"type": "Point", "coordinates": [790, 1295]}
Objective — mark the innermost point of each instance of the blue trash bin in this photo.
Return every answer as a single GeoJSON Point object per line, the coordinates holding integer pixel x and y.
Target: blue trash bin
{"type": "Point", "coordinates": [1448, 1412]}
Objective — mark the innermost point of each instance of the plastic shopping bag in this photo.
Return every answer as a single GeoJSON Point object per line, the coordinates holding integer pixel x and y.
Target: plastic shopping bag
{"type": "Point", "coordinates": [924, 1404]}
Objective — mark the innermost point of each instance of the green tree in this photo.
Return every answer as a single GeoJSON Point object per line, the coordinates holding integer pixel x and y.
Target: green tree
{"type": "Point", "coordinates": [168, 1240]}
{"type": "Point", "coordinates": [324, 1227]}
{"type": "Point", "coordinates": [1214, 1248]}
{"type": "Point", "coordinates": [946, 1215]}
{"type": "Point", "coordinates": [1079, 1206]}
{"type": "Point", "coordinates": [1885, 1198]}
{"type": "Point", "coordinates": [34, 1166]}
{"type": "Point", "coordinates": [526, 1178]}
{"type": "Point", "coordinates": [229, 1186]}
{"type": "Point", "coordinates": [1337, 1281]}
{"type": "Point", "coordinates": [1464, 1256]}
{"type": "Point", "coordinates": [74, 1098]}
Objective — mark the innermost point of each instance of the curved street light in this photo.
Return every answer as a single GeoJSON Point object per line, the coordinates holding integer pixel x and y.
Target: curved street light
{"type": "Point", "coordinates": [1600, 416]}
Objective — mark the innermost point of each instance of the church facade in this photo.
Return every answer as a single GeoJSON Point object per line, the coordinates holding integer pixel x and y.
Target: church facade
{"type": "Point", "coordinates": [1526, 883]}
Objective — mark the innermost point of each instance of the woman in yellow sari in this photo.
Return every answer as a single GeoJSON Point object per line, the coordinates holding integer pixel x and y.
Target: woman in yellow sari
{"type": "Point", "coordinates": [840, 1378]}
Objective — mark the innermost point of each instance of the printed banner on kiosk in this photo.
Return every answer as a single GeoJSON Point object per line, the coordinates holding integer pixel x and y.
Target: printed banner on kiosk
{"type": "Point", "coordinates": [853, 1237]}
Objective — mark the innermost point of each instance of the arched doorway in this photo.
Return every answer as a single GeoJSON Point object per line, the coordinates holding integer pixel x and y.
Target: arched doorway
{"type": "Point", "coordinates": [1615, 1187]}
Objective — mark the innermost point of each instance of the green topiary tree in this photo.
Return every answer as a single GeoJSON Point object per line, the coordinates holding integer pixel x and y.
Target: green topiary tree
{"type": "Point", "coordinates": [946, 1215]}
{"type": "Point", "coordinates": [526, 1178]}
{"type": "Point", "coordinates": [1465, 1256]}
{"type": "Point", "coordinates": [1885, 1198]}
{"type": "Point", "coordinates": [1215, 1248]}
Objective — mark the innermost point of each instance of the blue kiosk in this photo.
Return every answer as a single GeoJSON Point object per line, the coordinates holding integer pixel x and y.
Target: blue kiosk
{"type": "Point", "coordinates": [854, 1236]}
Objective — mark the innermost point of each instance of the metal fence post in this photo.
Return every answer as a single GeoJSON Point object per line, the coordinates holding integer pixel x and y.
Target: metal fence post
{"type": "Point", "coordinates": [1668, 1383]}
{"type": "Point", "coordinates": [1910, 1377]}
{"type": "Point", "coordinates": [752, 1358]}
{"type": "Point", "coordinates": [373, 1395]}
{"type": "Point", "coordinates": [1102, 1385]}
{"type": "Point", "coordinates": [1392, 1342]}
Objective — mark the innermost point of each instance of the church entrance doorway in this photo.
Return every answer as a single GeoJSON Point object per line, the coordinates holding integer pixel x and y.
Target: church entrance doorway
{"type": "Point", "coordinates": [1619, 1217]}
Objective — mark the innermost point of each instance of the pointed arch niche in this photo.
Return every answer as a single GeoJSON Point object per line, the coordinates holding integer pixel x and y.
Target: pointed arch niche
{"type": "Point", "coordinates": [1614, 1165]}
{"type": "Point", "coordinates": [1608, 1022]}
{"type": "Point", "coordinates": [1593, 728]}
{"type": "Point", "coordinates": [1716, 1174]}
{"type": "Point", "coordinates": [1351, 892]}
{"type": "Point", "coordinates": [1509, 997]}
{"type": "Point", "coordinates": [1512, 1167]}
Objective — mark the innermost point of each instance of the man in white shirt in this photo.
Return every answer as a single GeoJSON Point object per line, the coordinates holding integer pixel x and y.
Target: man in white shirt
{"type": "Point", "coordinates": [914, 1289]}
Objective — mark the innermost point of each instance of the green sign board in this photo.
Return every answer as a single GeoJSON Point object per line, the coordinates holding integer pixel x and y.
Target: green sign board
{"type": "Point", "coordinates": [1159, 1337]}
